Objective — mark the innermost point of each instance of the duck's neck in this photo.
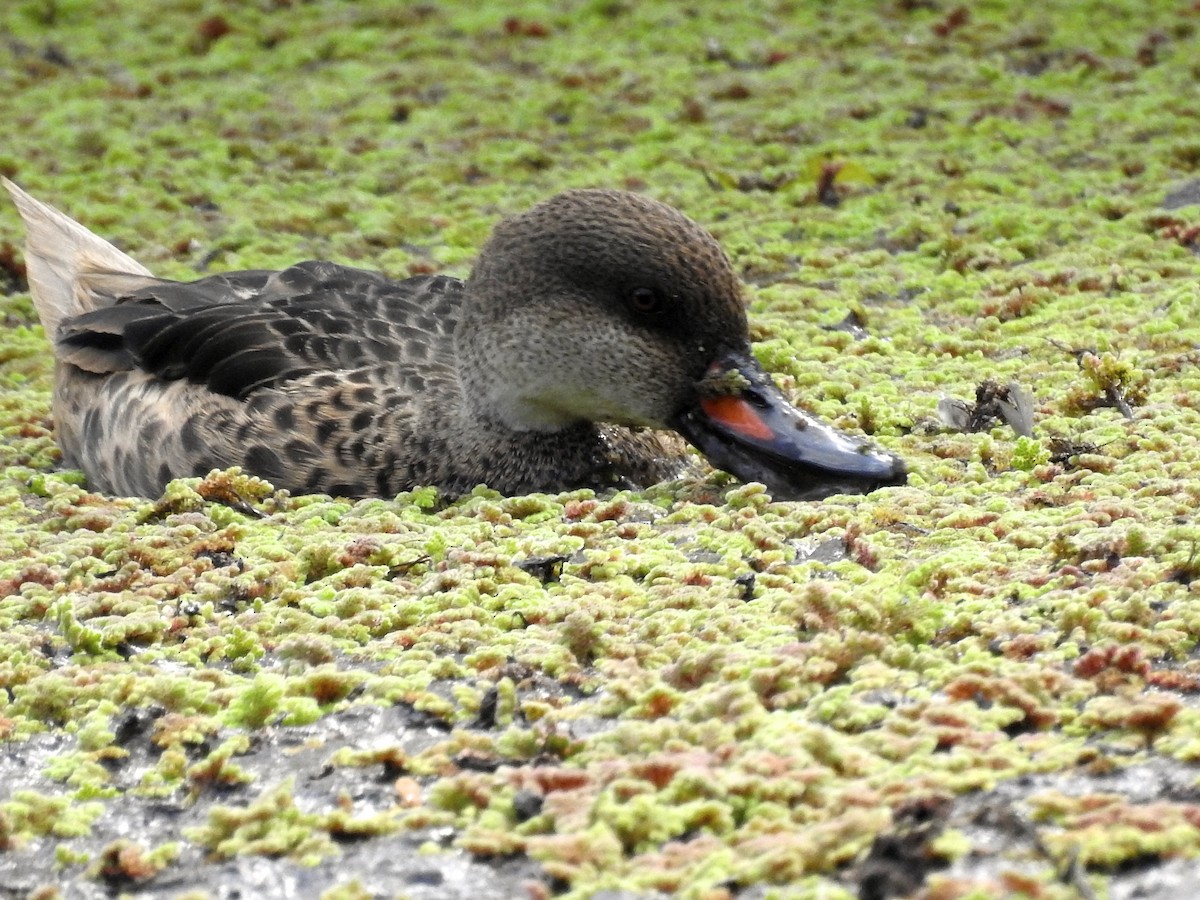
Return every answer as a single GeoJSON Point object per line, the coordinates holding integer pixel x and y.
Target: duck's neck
{"type": "Point", "coordinates": [504, 382]}
{"type": "Point", "coordinates": [519, 462]}
{"type": "Point", "coordinates": [504, 405]}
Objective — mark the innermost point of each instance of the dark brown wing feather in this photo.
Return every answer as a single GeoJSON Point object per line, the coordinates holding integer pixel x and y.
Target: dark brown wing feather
{"type": "Point", "coordinates": [246, 331]}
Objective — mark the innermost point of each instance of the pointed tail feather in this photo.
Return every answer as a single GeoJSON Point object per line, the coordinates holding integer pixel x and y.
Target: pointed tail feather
{"type": "Point", "coordinates": [59, 255]}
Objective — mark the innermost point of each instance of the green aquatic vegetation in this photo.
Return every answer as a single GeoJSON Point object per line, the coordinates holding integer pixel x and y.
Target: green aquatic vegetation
{"type": "Point", "coordinates": [693, 687]}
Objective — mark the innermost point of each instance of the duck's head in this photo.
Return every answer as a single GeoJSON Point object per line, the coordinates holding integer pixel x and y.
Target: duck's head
{"type": "Point", "coordinates": [608, 306]}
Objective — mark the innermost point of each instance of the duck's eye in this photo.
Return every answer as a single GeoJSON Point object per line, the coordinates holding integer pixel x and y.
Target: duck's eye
{"type": "Point", "coordinates": [645, 301]}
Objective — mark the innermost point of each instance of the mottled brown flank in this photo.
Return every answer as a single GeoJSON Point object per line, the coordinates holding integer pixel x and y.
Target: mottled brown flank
{"type": "Point", "coordinates": [325, 378]}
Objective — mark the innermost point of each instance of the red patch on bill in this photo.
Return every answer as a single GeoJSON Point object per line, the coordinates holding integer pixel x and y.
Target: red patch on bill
{"type": "Point", "coordinates": [736, 415]}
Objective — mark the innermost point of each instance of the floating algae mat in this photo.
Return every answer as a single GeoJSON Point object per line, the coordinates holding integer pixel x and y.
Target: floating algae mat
{"type": "Point", "coordinates": [970, 232]}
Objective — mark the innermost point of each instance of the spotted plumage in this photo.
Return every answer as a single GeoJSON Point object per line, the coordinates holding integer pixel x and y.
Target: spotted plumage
{"type": "Point", "coordinates": [589, 324]}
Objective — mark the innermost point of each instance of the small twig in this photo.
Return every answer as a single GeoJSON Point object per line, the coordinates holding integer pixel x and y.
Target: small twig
{"type": "Point", "coordinates": [1073, 873]}
{"type": "Point", "coordinates": [1116, 397]}
{"type": "Point", "coordinates": [405, 567]}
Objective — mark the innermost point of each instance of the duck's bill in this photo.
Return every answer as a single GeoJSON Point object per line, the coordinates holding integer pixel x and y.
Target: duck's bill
{"type": "Point", "coordinates": [756, 435]}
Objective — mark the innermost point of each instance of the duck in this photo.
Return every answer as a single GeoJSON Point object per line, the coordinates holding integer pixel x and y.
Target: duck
{"type": "Point", "coordinates": [598, 334]}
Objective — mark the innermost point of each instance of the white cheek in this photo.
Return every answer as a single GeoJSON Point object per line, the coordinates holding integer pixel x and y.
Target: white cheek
{"type": "Point", "coordinates": [589, 371]}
